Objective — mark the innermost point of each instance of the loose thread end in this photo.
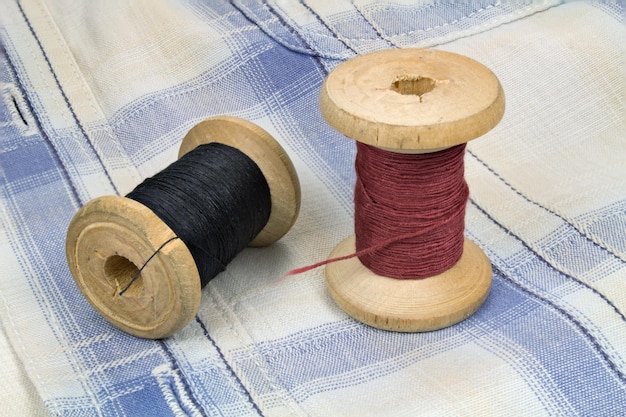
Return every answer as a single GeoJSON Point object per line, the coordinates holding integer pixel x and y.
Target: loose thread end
{"type": "Point", "coordinates": [138, 273]}
{"type": "Point", "coordinates": [359, 253]}
{"type": "Point", "coordinates": [303, 269]}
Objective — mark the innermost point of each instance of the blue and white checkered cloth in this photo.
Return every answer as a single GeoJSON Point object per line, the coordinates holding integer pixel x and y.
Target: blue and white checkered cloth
{"type": "Point", "coordinates": [97, 95]}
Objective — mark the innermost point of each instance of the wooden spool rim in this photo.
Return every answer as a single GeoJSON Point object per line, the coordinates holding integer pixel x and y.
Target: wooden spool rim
{"type": "Point", "coordinates": [412, 99]}
{"type": "Point", "coordinates": [111, 237]}
{"type": "Point", "coordinates": [107, 241]}
{"type": "Point", "coordinates": [271, 159]}
{"type": "Point", "coordinates": [409, 305]}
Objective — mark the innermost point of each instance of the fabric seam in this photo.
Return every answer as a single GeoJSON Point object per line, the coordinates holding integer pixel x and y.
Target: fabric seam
{"type": "Point", "coordinates": [229, 372]}
{"type": "Point", "coordinates": [581, 229]}
{"type": "Point", "coordinates": [85, 94]}
{"type": "Point", "coordinates": [66, 103]}
{"type": "Point", "coordinates": [221, 307]}
{"type": "Point", "coordinates": [546, 298]}
{"type": "Point", "coordinates": [305, 34]}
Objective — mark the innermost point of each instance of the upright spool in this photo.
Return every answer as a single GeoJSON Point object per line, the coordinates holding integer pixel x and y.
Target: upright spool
{"type": "Point", "coordinates": [411, 101]}
{"type": "Point", "coordinates": [111, 237]}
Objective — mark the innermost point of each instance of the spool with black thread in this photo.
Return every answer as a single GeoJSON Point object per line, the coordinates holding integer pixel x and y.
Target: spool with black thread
{"type": "Point", "coordinates": [142, 260]}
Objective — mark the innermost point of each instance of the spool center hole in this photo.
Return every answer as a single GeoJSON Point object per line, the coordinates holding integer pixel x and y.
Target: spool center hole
{"type": "Point", "coordinates": [413, 85]}
{"type": "Point", "coordinates": [120, 271]}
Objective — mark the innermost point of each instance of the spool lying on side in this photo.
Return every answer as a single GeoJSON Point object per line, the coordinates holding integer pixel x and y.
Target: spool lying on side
{"type": "Point", "coordinates": [112, 237]}
{"type": "Point", "coordinates": [411, 101]}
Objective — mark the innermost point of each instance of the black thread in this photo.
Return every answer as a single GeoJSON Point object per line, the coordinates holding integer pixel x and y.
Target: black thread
{"type": "Point", "coordinates": [19, 111]}
{"type": "Point", "coordinates": [214, 198]}
{"type": "Point", "coordinates": [138, 273]}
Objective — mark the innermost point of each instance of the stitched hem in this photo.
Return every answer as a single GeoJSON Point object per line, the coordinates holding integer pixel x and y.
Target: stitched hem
{"type": "Point", "coordinates": [328, 36]}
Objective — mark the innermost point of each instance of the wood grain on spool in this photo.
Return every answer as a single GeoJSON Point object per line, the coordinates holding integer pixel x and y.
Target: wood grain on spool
{"type": "Point", "coordinates": [112, 237]}
{"type": "Point", "coordinates": [411, 101]}
{"type": "Point", "coordinates": [108, 240]}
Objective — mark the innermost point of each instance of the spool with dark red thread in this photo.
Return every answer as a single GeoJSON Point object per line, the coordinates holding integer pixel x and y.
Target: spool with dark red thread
{"type": "Point", "coordinates": [409, 267]}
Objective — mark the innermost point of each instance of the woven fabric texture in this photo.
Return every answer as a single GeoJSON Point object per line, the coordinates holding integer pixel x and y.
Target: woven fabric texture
{"type": "Point", "coordinates": [96, 95]}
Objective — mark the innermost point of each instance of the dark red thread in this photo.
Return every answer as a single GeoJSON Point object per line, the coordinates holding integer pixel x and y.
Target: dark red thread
{"type": "Point", "coordinates": [409, 212]}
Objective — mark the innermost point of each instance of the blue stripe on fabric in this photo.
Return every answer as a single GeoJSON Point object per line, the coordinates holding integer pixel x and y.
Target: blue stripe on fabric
{"type": "Point", "coordinates": [56, 158]}
{"type": "Point", "coordinates": [228, 366]}
{"type": "Point", "coordinates": [567, 358]}
{"type": "Point", "coordinates": [29, 167]}
{"type": "Point", "coordinates": [545, 262]}
{"type": "Point", "coordinates": [340, 347]}
{"type": "Point", "coordinates": [563, 372]}
{"type": "Point", "coordinates": [149, 402]}
{"type": "Point", "coordinates": [339, 355]}
{"type": "Point", "coordinates": [537, 204]}
{"type": "Point", "coordinates": [188, 391]}
{"type": "Point", "coordinates": [529, 270]}
{"type": "Point", "coordinates": [62, 91]}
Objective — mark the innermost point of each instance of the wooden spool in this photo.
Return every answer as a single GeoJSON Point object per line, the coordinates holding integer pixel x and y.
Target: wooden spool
{"type": "Point", "coordinates": [412, 101]}
{"type": "Point", "coordinates": [111, 237]}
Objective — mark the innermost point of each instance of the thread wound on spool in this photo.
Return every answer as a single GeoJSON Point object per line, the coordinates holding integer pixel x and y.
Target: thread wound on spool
{"type": "Point", "coordinates": [409, 211]}
{"type": "Point", "coordinates": [215, 199]}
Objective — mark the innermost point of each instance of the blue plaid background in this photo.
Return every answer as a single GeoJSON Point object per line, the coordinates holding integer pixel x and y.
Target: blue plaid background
{"type": "Point", "coordinates": [97, 96]}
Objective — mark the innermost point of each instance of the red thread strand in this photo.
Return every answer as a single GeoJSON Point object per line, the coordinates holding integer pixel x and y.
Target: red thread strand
{"type": "Point", "coordinates": [409, 212]}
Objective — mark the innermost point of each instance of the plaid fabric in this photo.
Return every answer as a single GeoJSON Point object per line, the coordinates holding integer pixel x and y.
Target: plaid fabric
{"type": "Point", "coordinates": [97, 96]}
